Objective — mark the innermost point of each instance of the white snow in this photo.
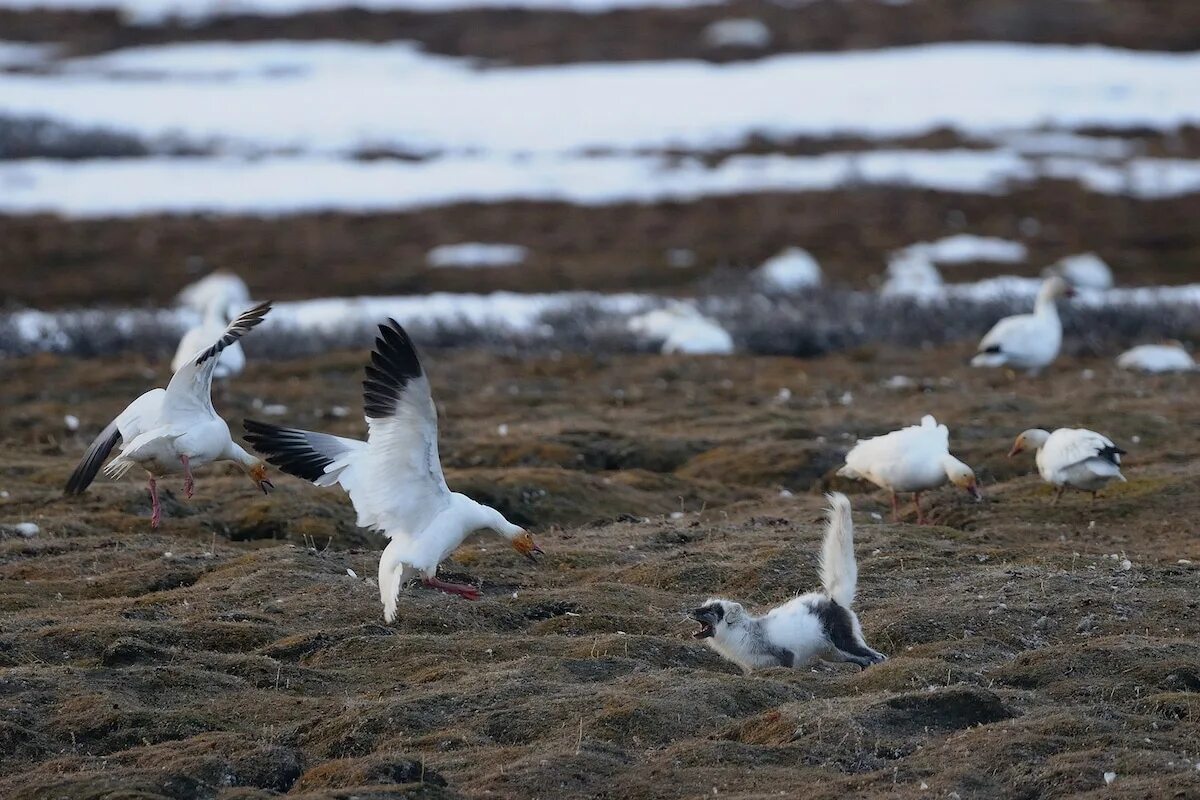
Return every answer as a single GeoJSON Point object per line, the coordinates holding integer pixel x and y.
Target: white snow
{"type": "Point", "coordinates": [1084, 271]}
{"type": "Point", "coordinates": [476, 254]}
{"type": "Point", "coordinates": [744, 32]}
{"type": "Point", "coordinates": [1157, 358]}
{"type": "Point", "coordinates": [964, 248]}
{"type": "Point", "coordinates": [128, 187]}
{"type": "Point", "coordinates": [424, 103]}
{"type": "Point", "coordinates": [789, 270]}
{"type": "Point", "coordinates": [21, 54]}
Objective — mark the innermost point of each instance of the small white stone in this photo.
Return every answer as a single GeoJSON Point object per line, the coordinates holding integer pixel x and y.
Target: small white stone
{"type": "Point", "coordinates": [71, 422]}
{"type": "Point", "coordinates": [785, 493]}
{"type": "Point", "coordinates": [502, 429]}
{"type": "Point", "coordinates": [676, 515]}
{"type": "Point", "coordinates": [26, 529]}
{"type": "Point", "coordinates": [1184, 561]}
{"type": "Point", "coordinates": [351, 573]}
{"type": "Point", "coordinates": [275, 409]}
{"type": "Point", "coordinates": [875, 515]}
{"type": "Point", "coordinates": [338, 411]}
{"type": "Point", "coordinates": [924, 786]}
{"type": "Point", "coordinates": [1126, 564]}
{"type": "Point", "coordinates": [1135, 439]}
{"type": "Point", "coordinates": [1109, 777]}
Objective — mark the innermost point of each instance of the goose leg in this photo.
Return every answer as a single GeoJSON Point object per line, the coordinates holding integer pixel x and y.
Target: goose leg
{"type": "Point", "coordinates": [917, 502]}
{"type": "Point", "coordinates": [464, 590]}
{"type": "Point", "coordinates": [895, 508]}
{"type": "Point", "coordinates": [189, 483]}
{"type": "Point", "coordinates": [155, 506]}
{"type": "Point", "coordinates": [1058, 493]}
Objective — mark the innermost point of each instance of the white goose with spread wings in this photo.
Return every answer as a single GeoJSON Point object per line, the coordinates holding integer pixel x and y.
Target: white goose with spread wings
{"type": "Point", "coordinates": [173, 430]}
{"type": "Point", "coordinates": [394, 478]}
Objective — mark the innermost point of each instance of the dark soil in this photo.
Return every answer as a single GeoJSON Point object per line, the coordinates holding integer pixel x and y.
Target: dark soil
{"type": "Point", "coordinates": [540, 37]}
{"type": "Point", "coordinates": [231, 654]}
{"type": "Point", "coordinates": [50, 262]}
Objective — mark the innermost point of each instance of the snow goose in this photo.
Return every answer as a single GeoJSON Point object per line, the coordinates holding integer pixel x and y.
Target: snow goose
{"type": "Point", "coordinates": [682, 329]}
{"type": "Point", "coordinates": [172, 430]}
{"type": "Point", "coordinates": [913, 459]}
{"type": "Point", "coordinates": [811, 626]}
{"type": "Point", "coordinates": [394, 478]}
{"type": "Point", "coordinates": [792, 269]}
{"type": "Point", "coordinates": [1166, 357]}
{"type": "Point", "coordinates": [1027, 341]}
{"type": "Point", "coordinates": [1084, 271]}
{"type": "Point", "coordinates": [225, 289]}
{"type": "Point", "coordinates": [1072, 457]}
{"type": "Point", "coordinates": [232, 359]}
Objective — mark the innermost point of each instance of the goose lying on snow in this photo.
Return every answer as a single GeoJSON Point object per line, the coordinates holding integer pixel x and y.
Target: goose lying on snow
{"type": "Point", "coordinates": [1027, 341]}
{"type": "Point", "coordinates": [682, 329]}
{"type": "Point", "coordinates": [913, 459]}
{"type": "Point", "coordinates": [1072, 457]}
{"type": "Point", "coordinates": [172, 430]}
{"type": "Point", "coordinates": [1167, 357]}
{"type": "Point", "coordinates": [394, 478]}
{"type": "Point", "coordinates": [817, 625]}
{"type": "Point", "coordinates": [232, 359]}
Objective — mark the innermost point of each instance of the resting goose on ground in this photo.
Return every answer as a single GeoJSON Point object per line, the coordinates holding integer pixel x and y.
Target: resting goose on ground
{"type": "Point", "coordinates": [913, 459]}
{"type": "Point", "coordinates": [817, 625]}
{"type": "Point", "coordinates": [172, 430]}
{"type": "Point", "coordinates": [226, 290]}
{"type": "Point", "coordinates": [1027, 341]}
{"type": "Point", "coordinates": [1166, 357]}
{"type": "Point", "coordinates": [232, 359]}
{"type": "Point", "coordinates": [1072, 457]}
{"type": "Point", "coordinates": [394, 478]}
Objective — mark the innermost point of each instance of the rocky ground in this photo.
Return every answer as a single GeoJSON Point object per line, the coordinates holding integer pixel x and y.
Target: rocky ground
{"type": "Point", "coordinates": [240, 652]}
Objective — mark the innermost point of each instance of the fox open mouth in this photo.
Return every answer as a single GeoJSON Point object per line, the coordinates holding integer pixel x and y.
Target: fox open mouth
{"type": "Point", "coordinates": [708, 616]}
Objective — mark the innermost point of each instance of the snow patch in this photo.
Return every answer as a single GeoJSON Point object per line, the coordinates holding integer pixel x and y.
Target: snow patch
{"type": "Point", "coordinates": [470, 255]}
{"type": "Point", "coordinates": [792, 269]}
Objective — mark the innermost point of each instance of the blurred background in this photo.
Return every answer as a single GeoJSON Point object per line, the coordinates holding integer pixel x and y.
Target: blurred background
{"type": "Point", "coordinates": [736, 153]}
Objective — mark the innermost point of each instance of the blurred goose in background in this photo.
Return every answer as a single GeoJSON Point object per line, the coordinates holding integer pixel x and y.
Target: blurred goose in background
{"type": "Point", "coordinates": [1083, 271]}
{"type": "Point", "coordinates": [232, 359]}
{"type": "Point", "coordinates": [913, 459]}
{"type": "Point", "coordinates": [173, 430]}
{"type": "Point", "coordinates": [394, 478]}
{"type": "Point", "coordinates": [1027, 341]}
{"type": "Point", "coordinates": [1165, 357]}
{"type": "Point", "coordinates": [1073, 458]}
{"type": "Point", "coordinates": [226, 290]}
{"type": "Point", "coordinates": [682, 329]}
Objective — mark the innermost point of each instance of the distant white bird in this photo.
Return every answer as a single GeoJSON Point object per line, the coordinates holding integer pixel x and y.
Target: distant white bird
{"type": "Point", "coordinates": [817, 625]}
{"type": "Point", "coordinates": [232, 359]}
{"type": "Point", "coordinates": [913, 459]}
{"type": "Point", "coordinates": [910, 272]}
{"type": "Point", "coordinates": [1083, 271]}
{"type": "Point", "coordinates": [1072, 457]}
{"type": "Point", "coordinates": [225, 289]}
{"type": "Point", "coordinates": [172, 430]}
{"type": "Point", "coordinates": [394, 478]}
{"type": "Point", "coordinates": [1166, 357]}
{"type": "Point", "coordinates": [682, 329]}
{"type": "Point", "coordinates": [789, 270]}
{"type": "Point", "coordinates": [1027, 341]}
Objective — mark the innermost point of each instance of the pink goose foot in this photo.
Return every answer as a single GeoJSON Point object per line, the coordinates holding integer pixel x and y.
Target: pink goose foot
{"type": "Point", "coordinates": [155, 506]}
{"type": "Point", "coordinates": [189, 484]}
{"type": "Point", "coordinates": [464, 590]}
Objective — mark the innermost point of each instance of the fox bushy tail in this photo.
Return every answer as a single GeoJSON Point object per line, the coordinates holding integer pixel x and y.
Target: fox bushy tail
{"type": "Point", "coordinates": [839, 570]}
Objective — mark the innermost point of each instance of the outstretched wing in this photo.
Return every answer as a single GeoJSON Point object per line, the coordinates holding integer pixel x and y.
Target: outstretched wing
{"type": "Point", "coordinates": [398, 486]}
{"type": "Point", "coordinates": [190, 389]}
{"type": "Point", "coordinates": [1074, 445]}
{"type": "Point", "coordinates": [318, 457]}
{"type": "Point", "coordinates": [93, 459]}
